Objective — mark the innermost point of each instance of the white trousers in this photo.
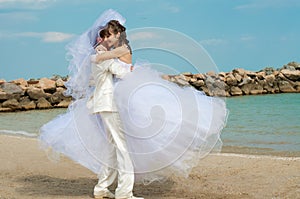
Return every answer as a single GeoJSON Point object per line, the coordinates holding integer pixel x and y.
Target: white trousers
{"type": "Point", "coordinates": [118, 157]}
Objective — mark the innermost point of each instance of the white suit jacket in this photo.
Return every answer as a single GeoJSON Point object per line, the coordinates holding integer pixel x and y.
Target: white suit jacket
{"type": "Point", "coordinates": [102, 98]}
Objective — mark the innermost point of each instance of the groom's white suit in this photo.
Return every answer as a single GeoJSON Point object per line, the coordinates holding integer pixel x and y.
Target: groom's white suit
{"type": "Point", "coordinates": [102, 102]}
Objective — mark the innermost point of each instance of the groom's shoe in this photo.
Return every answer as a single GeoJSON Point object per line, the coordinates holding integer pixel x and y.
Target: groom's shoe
{"type": "Point", "coordinates": [103, 195]}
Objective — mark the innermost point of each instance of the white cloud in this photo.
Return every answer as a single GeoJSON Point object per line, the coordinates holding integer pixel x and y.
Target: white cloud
{"type": "Point", "coordinates": [18, 17]}
{"type": "Point", "coordinates": [142, 36]}
{"type": "Point", "coordinates": [173, 9]}
{"type": "Point", "coordinates": [213, 42]}
{"type": "Point", "coordinates": [247, 38]}
{"type": "Point", "coordinates": [262, 4]}
{"type": "Point", "coordinates": [26, 4]}
{"type": "Point", "coordinates": [48, 37]}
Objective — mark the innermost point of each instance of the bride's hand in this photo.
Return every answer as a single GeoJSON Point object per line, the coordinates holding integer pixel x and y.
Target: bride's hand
{"type": "Point", "coordinates": [100, 48]}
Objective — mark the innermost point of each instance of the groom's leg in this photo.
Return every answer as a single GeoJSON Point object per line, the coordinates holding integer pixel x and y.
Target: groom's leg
{"type": "Point", "coordinates": [125, 167]}
{"type": "Point", "coordinates": [108, 172]}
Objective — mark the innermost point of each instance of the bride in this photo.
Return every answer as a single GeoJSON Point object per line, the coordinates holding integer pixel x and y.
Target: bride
{"type": "Point", "coordinates": [168, 128]}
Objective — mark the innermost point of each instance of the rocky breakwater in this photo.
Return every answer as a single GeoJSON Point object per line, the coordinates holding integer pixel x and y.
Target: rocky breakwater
{"type": "Point", "coordinates": [243, 82]}
{"type": "Point", "coordinates": [47, 93]}
{"type": "Point", "coordinates": [43, 93]}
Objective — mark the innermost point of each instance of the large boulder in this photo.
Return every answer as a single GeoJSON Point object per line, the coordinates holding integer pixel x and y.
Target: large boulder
{"type": "Point", "coordinates": [293, 75]}
{"type": "Point", "coordinates": [37, 93]}
{"type": "Point", "coordinates": [11, 88]}
{"type": "Point", "coordinates": [242, 72]}
{"type": "Point", "coordinates": [246, 80]}
{"type": "Point", "coordinates": [60, 83]}
{"type": "Point", "coordinates": [21, 82]}
{"type": "Point", "coordinates": [64, 103]}
{"type": "Point", "coordinates": [42, 103]}
{"type": "Point", "coordinates": [231, 80]}
{"type": "Point", "coordinates": [286, 87]}
{"type": "Point", "coordinates": [27, 104]}
{"type": "Point", "coordinates": [47, 85]}
{"type": "Point", "coordinates": [234, 91]}
{"type": "Point", "coordinates": [12, 104]}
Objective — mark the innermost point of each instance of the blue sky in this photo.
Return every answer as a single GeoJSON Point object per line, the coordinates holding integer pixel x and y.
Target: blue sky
{"type": "Point", "coordinates": [251, 34]}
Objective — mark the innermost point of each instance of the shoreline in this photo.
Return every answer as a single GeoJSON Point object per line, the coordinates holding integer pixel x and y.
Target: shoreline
{"type": "Point", "coordinates": [26, 172]}
{"type": "Point", "coordinates": [226, 149]}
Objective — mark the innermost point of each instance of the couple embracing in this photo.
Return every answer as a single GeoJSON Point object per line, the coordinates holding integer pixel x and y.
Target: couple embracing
{"type": "Point", "coordinates": [128, 123]}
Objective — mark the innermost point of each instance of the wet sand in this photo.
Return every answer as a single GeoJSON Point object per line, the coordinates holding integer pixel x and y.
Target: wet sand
{"type": "Point", "coordinates": [26, 172]}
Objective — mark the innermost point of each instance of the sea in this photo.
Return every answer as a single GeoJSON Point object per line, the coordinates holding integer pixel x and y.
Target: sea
{"type": "Point", "coordinates": [257, 124]}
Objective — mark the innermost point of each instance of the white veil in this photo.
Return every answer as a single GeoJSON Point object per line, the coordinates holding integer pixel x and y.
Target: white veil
{"type": "Point", "coordinates": [78, 53]}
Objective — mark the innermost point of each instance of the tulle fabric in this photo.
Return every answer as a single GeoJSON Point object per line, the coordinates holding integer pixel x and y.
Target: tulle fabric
{"type": "Point", "coordinates": [168, 128]}
{"type": "Point", "coordinates": [79, 52]}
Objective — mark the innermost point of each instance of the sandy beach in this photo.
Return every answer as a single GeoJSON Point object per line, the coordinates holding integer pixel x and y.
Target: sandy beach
{"type": "Point", "coordinates": [27, 172]}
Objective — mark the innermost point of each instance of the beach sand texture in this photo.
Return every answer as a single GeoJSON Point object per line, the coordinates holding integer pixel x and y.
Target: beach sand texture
{"type": "Point", "coordinates": [26, 172]}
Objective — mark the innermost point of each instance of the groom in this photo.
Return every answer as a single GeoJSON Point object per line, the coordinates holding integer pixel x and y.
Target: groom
{"type": "Point", "coordinates": [102, 103]}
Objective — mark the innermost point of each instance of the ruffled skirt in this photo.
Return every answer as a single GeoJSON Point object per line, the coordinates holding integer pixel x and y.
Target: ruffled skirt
{"type": "Point", "coordinates": [168, 128]}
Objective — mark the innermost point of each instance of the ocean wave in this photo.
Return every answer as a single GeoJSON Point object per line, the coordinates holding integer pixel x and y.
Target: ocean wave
{"type": "Point", "coordinates": [17, 133]}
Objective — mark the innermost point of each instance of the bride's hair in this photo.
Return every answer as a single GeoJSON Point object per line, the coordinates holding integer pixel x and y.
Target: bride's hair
{"type": "Point", "coordinates": [115, 27]}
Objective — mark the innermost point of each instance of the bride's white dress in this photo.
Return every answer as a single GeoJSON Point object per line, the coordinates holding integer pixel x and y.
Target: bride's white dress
{"type": "Point", "coordinates": [168, 128]}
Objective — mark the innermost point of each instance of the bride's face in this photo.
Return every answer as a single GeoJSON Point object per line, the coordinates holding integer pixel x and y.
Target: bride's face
{"type": "Point", "coordinates": [113, 39]}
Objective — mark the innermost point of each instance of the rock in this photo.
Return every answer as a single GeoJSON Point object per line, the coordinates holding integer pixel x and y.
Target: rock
{"type": "Point", "coordinates": [12, 104]}
{"type": "Point", "coordinates": [60, 83]}
{"type": "Point", "coordinates": [198, 83]}
{"type": "Point", "coordinates": [188, 74]}
{"type": "Point", "coordinates": [11, 88]}
{"type": "Point", "coordinates": [288, 67]}
{"type": "Point", "coordinates": [21, 82]}
{"type": "Point", "coordinates": [292, 75]}
{"type": "Point", "coordinates": [286, 87]}
{"type": "Point", "coordinates": [295, 65]}
{"type": "Point", "coordinates": [211, 73]}
{"type": "Point", "coordinates": [199, 76]}
{"type": "Point", "coordinates": [238, 77]}
{"type": "Point", "coordinates": [57, 97]}
{"type": "Point", "coordinates": [234, 91]}
{"type": "Point", "coordinates": [297, 86]}
{"type": "Point", "coordinates": [33, 81]}
{"type": "Point", "coordinates": [165, 77]}
{"type": "Point", "coordinates": [246, 80]}
{"type": "Point", "coordinates": [3, 96]}
{"type": "Point", "coordinates": [230, 80]}
{"type": "Point", "coordinates": [240, 71]}
{"type": "Point", "coordinates": [261, 75]}
{"type": "Point", "coordinates": [47, 85]}
{"type": "Point", "coordinates": [257, 89]}
{"type": "Point", "coordinates": [268, 70]}
{"type": "Point", "coordinates": [42, 103]}
{"type": "Point", "coordinates": [27, 104]}
{"type": "Point", "coordinates": [64, 104]}
{"type": "Point", "coordinates": [275, 73]}
{"type": "Point", "coordinates": [251, 74]}
{"type": "Point", "coordinates": [2, 81]}
{"type": "Point", "coordinates": [270, 79]}
{"type": "Point", "coordinates": [246, 88]}
{"type": "Point", "coordinates": [218, 93]}
{"type": "Point", "coordinates": [181, 80]}
{"type": "Point", "coordinates": [36, 93]}
{"type": "Point", "coordinates": [2, 109]}
{"type": "Point", "coordinates": [222, 74]}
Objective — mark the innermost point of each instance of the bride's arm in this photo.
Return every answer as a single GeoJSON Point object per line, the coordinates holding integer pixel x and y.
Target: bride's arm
{"type": "Point", "coordinates": [115, 53]}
